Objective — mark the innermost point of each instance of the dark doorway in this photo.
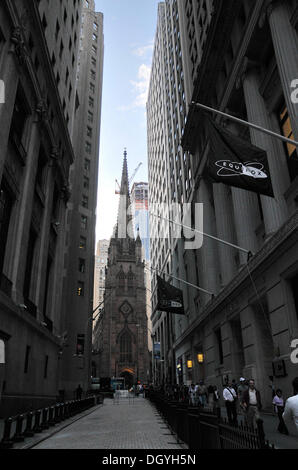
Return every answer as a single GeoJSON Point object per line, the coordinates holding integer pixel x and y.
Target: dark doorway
{"type": "Point", "coordinates": [129, 381]}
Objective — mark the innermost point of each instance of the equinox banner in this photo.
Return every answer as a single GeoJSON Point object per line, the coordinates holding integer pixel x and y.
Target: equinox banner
{"type": "Point", "coordinates": [169, 298]}
{"type": "Point", "coordinates": [236, 162]}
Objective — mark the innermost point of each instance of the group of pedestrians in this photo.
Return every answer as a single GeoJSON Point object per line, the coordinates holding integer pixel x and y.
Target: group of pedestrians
{"type": "Point", "coordinates": [246, 399]}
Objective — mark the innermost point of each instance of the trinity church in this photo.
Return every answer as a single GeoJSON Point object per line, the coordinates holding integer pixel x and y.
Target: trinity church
{"type": "Point", "coordinates": [124, 344]}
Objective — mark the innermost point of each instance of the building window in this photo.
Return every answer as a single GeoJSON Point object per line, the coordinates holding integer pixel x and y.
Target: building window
{"type": "Point", "coordinates": [90, 116]}
{"type": "Point", "coordinates": [86, 182]}
{"type": "Point", "coordinates": [219, 345]}
{"type": "Point", "coordinates": [19, 118]}
{"type": "Point", "coordinates": [85, 201]}
{"type": "Point", "coordinates": [84, 220]}
{"type": "Point", "coordinates": [125, 348]}
{"type": "Point", "coordinates": [291, 151]}
{"type": "Point", "coordinates": [89, 131]}
{"type": "Point", "coordinates": [87, 147]}
{"type": "Point", "coordinates": [82, 265]}
{"type": "Point", "coordinates": [29, 264]}
{"type": "Point", "coordinates": [93, 61]}
{"type": "Point", "coordinates": [27, 356]}
{"type": "Point", "coordinates": [95, 26]}
{"type": "Point", "coordinates": [93, 75]}
{"type": "Point", "coordinates": [92, 88]}
{"type": "Point", "coordinates": [45, 374]}
{"type": "Point", "coordinates": [91, 102]}
{"type": "Point", "coordinates": [94, 49]}
{"type": "Point", "coordinates": [80, 345]}
{"type": "Point", "coordinates": [87, 164]}
{"type": "Point", "coordinates": [80, 289]}
{"type": "Point", "coordinates": [94, 37]}
{"type": "Point", "coordinates": [83, 243]}
{"type": "Point", "coordinates": [6, 204]}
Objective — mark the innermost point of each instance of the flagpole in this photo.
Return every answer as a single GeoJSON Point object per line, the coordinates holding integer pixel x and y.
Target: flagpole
{"type": "Point", "coordinates": [249, 253]}
{"type": "Point", "coordinates": [246, 123]}
{"type": "Point", "coordinates": [182, 280]}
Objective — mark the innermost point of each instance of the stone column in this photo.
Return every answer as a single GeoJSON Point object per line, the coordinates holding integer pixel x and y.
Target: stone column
{"type": "Point", "coordinates": [274, 209]}
{"type": "Point", "coordinates": [246, 214]}
{"type": "Point", "coordinates": [285, 43]}
{"type": "Point", "coordinates": [225, 231]}
{"type": "Point", "coordinates": [208, 253]}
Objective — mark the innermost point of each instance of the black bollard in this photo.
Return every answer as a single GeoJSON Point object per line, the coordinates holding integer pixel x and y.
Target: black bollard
{"type": "Point", "coordinates": [37, 427]}
{"type": "Point", "coordinates": [19, 436]}
{"type": "Point", "coordinates": [28, 430]}
{"type": "Point", "coordinates": [52, 421]}
{"type": "Point", "coordinates": [45, 418]}
{"type": "Point", "coordinates": [7, 442]}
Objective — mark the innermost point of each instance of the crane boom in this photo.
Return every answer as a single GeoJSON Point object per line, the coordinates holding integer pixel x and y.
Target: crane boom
{"type": "Point", "coordinates": [135, 172]}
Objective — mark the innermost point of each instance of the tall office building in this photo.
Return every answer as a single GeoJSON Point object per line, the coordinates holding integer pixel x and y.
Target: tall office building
{"type": "Point", "coordinates": [139, 202]}
{"type": "Point", "coordinates": [81, 216]}
{"type": "Point", "coordinates": [35, 158]}
{"type": "Point", "coordinates": [101, 260]}
{"type": "Point", "coordinates": [247, 327]}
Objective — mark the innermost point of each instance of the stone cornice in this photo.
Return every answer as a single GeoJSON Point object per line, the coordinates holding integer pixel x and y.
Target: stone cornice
{"type": "Point", "coordinates": [266, 256]}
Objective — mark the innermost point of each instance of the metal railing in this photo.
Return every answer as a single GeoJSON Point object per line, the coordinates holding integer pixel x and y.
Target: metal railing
{"type": "Point", "coordinates": [18, 428]}
{"type": "Point", "coordinates": [203, 428]}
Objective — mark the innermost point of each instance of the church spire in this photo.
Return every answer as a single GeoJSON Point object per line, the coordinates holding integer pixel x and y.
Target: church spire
{"type": "Point", "coordinates": [124, 215]}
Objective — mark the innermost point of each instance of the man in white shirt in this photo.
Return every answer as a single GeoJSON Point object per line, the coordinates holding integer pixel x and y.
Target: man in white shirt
{"type": "Point", "coordinates": [290, 414]}
{"type": "Point", "coordinates": [229, 396]}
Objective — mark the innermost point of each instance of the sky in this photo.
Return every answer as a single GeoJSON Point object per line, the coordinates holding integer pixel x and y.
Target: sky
{"type": "Point", "coordinates": [129, 31]}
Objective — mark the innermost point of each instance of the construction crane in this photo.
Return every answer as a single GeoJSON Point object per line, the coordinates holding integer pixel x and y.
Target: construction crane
{"type": "Point", "coordinates": [117, 191]}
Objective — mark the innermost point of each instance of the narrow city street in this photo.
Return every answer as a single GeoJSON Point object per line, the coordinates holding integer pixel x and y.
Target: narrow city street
{"type": "Point", "coordinates": [126, 424]}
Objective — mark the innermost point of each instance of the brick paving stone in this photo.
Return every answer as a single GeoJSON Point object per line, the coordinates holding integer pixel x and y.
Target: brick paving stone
{"type": "Point", "coordinates": [129, 424]}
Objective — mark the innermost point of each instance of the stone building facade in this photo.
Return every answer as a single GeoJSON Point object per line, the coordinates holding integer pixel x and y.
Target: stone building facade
{"type": "Point", "coordinates": [79, 258]}
{"type": "Point", "coordinates": [35, 158]}
{"type": "Point", "coordinates": [247, 328]}
{"type": "Point", "coordinates": [39, 119]}
{"type": "Point", "coordinates": [124, 345]}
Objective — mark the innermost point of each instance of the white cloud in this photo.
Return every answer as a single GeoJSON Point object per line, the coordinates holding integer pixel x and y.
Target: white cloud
{"type": "Point", "coordinates": [142, 51]}
{"type": "Point", "coordinates": [141, 86]}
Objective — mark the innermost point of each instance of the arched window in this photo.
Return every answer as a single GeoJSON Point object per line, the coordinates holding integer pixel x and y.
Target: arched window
{"type": "Point", "coordinates": [125, 348]}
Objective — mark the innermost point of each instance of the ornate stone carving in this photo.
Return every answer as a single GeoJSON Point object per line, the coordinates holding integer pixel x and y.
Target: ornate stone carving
{"type": "Point", "coordinates": [42, 111]}
{"type": "Point", "coordinates": [19, 45]}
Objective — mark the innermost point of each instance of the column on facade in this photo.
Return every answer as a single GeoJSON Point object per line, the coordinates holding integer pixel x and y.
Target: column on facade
{"type": "Point", "coordinates": [274, 209]}
{"type": "Point", "coordinates": [285, 42]}
{"type": "Point", "coordinates": [22, 221]}
{"type": "Point", "coordinates": [246, 214]}
{"type": "Point", "coordinates": [225, 231]}
{"type": "Point", "coordinates": [208, 254]}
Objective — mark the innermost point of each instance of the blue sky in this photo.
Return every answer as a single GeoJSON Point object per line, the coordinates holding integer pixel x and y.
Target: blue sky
{"type": "Point", "coordinates": [129, 30]}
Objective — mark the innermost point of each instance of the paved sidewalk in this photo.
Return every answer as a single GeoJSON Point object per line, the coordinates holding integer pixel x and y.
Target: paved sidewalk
{"type": "Point", "coordinates": [280, 441]}
{"type": "Point", "coordinates": [129, 424]}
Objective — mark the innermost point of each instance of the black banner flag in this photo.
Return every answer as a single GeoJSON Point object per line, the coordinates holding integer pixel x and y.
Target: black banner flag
{"type": "Point", "coordinates": [169, 298]}
{"type": "Point", "coordinates": [236, 162]}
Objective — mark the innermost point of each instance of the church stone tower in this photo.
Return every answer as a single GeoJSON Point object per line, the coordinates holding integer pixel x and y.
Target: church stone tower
{"type": "Point", "coordinates": [124, 351]}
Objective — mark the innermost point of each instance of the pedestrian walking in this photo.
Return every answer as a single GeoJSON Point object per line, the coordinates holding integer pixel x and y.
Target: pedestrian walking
{"type": "Point", "coordinates": [251, 401]}
{"type": "Point", "coordinates": [216, 400]}
{"type": "Point", "coordinates": [229, 396]}
{"type": "Point", "coordinates": [242, 387]}
{"type": "Point", "coordinates": [202, 392]}
{"type": "Point", "coordinates": [211, 396]}
{"type": "Point", "coordinates": [192, 395]}
{"type": "Point", "coordinates": [278, 405]}
{"type": "Point", "coordinates": [290, 415]}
